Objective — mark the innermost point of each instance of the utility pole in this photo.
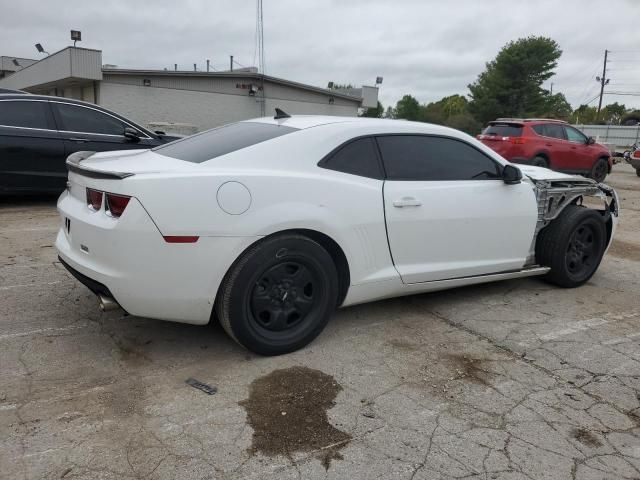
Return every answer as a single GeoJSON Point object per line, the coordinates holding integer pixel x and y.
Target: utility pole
{"type": "Point", "coordinates": [551, 92]}
{"type": "Point", "coordinates": [207, 64]}
{"type": "Point", "coordinates": [603, 81]}
{"type": "Point", "coordinates": [231, 63]}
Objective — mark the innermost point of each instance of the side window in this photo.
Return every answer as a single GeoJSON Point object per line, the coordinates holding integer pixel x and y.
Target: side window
{"type": "Point", "coordinates": [20, 113]}
{"type": "Point", "coordinates": [574, 135]}
{"type": "Point", "coordinates": [80, 119]}
{"type": "Point", "coordinates": [540, 130]}
{"type": "Point", "coordinates": [357, 158]}
{"type": "Point", "coordinates": [554, 131]}
{"type": "Point", "coordinates": [413, 157]}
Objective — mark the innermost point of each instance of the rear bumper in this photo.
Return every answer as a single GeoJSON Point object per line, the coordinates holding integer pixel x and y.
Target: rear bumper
{"type": "Point", "coordinates": [127, 259]}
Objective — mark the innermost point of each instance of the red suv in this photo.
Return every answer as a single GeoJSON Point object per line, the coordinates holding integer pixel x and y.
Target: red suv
{"type": "Point", "coordinates": [548, 143]}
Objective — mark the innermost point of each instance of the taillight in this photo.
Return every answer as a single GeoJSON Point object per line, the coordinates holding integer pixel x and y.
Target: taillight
{"type": "Point", "coordinates": [115, 204]}
{"type": "Point", "coordinates": [515, 140]}
{"type": "Point", "coordinates": [94, 199]}
{"type": "Point", "coordinates": [636, 154]}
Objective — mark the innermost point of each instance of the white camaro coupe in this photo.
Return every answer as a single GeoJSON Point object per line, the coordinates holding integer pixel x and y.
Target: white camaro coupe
{"type": "Point", "coordinates": [270, 224]}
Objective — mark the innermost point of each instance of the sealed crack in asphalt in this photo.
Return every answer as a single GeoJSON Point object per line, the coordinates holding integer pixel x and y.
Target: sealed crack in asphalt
{"type": "Point", "coordinates": [287, 410]}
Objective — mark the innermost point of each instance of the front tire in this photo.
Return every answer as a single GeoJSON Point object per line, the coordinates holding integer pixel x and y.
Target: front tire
{"type": "Point", "coordinates": [599, 170]}
{"type": "Point", "coordinates": [572, 245]}
{"type": "Point", "coordinates": [279, 295]}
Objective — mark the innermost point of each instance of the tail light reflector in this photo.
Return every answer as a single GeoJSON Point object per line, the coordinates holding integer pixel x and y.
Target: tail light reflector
{"type": "Point", "coordinates": [94, 199]}
{"type": "Point", "coordinates": [515, 140]}
{"type": "Point", "coordinates": [115, 204]}
{"type": "Point", "coordinates": [636, 154]}
{"type": "Point", "coordinates": [181, 239]}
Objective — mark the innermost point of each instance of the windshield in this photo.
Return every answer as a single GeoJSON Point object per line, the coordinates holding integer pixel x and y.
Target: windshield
{"type": "Point", "coordinates": [503, 130]}
{"type": "Point", "coordinates": [222, 140]}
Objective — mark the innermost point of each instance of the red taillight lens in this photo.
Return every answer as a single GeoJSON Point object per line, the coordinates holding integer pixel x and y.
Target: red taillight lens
{"type": "Point", "coordinates": [94, 199]}
{"type": "Point", "coordinates": [116, 204]}
{"type": "Point", "coordinates": [516, 140]}
{"type": "Point", "coordinates": [636, 154]}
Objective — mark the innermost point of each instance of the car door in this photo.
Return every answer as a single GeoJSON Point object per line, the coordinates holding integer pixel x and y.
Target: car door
{"type": "Point", "coordinates": [580, 156]}
{"type": "Point", "coordinates": [31, 150]}
{"type": "Point", "coordinates": [86, 128]}
{"type": "Point", "coordinates": [449, 214]}
{"type": "Point", "coordinates": [558, 147]}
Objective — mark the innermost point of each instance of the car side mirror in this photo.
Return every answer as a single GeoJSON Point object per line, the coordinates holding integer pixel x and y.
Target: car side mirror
{"type": "Point", "coordinates": [591, 141]}
{"type": "Point", "coordinates": [511, 175]}
{"type": "Point", "coordinates": [159, 132]}
{"type": "Point", "coordinates": [131, 134]}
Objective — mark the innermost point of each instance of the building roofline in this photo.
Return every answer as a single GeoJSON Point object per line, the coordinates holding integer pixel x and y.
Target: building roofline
{"type": "Point", "coordinates": [230, 74]}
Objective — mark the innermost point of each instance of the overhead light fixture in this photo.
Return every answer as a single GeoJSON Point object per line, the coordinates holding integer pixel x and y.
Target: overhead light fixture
{"type": "Point", "coordinates": [330, 86]}
{"type": "Point", "coordinates": [76, 36]}
{"type": "Point", "coordinates": [40, 49]}
{"type": "Point", "coordinates": [16, 63]}
{"type": "Point", "coordinates": [379, 81]}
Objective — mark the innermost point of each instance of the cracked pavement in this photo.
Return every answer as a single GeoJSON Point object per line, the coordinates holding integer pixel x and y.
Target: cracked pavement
{"type": "Point", "coordinates": [504, 381]}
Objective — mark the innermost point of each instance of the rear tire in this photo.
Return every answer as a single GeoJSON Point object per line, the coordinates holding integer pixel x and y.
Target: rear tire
{"type": "Point", "coordinates": [540, 162]}
{"type": "Point", "coordinates": [279, 295]}
{"type": "Point", "coordinates": [572, 245]}
{"type": "Point", "coordinates": [599, 170]}
{"type": "Point", "coordinates": [638, 172]}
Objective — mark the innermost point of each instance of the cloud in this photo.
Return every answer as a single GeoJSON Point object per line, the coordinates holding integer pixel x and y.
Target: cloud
{"type": "Point", "coordinates": [427, 48]}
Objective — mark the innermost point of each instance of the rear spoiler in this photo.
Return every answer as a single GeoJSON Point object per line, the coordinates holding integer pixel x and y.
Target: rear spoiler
{"type": "Point", "coordinates": [73, 165]}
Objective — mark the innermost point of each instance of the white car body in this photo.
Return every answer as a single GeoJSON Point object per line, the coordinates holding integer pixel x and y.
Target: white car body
{"type": "Point", "coordinates": [398, 237]}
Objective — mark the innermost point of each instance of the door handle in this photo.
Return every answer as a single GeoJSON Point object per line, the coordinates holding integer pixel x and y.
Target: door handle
{"type": "Point", "coordinates": [407, 202]}
{"type": "Point", "coordinates": [75, 139]}
{"type": "Point", "coordinates": [549, 144]}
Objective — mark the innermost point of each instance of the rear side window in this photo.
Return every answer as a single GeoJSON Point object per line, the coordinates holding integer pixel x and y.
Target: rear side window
{"type": "Point", "coordinates": [220, 141]}
{"type": "Point", "coordinates": [75, 118]}
{"type": "Point", "coordinates": [504, 130]}
{"type": "Point", "coordinates": [549, 130]}
{"type": "Point", "coordinates": [357, 158]}
{"type": "Point", "coordinates": [412, 157]}
{"type": "Point", "coordinates": [20, 113]}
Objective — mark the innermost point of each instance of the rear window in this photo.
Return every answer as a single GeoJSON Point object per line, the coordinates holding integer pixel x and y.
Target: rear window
{"type": "Point", "coordinates": [220, 141]}
{"type": "Point", "coordinates": [503, 130]}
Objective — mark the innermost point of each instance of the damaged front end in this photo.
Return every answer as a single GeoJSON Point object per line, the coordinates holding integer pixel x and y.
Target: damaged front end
{"type": "Point", "coordinates": [554, 195]}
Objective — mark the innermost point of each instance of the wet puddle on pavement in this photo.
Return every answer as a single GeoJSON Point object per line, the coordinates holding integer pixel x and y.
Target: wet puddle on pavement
{"type": "Point", "coordinates": [287, 410]}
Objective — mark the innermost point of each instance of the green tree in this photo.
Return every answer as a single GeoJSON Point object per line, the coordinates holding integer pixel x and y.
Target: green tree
{"type": "Point", "coordinates": [374, 112]}
{"type": "Point", "coordinates": [556, 106]}
{"type": "Point", "coordinates": [407, 108]}
{"type": "Point", "coordinates": [613, 113]}
{"type": "Point", "coordinates": [511, 85]}
{"type": "Point", "coordinates": [584, 115]}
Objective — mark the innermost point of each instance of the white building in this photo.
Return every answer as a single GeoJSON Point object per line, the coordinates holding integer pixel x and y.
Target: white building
{"type": "Point", "coordinates": [177, 101]}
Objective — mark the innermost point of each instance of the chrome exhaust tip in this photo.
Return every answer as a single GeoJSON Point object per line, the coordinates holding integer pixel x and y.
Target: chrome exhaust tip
{"type": "Point", "coordinates": [107, 304]}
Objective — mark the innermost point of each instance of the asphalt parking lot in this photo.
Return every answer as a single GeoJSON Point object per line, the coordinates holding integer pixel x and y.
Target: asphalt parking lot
{"type": "Point", "coordinates": [512, 380]}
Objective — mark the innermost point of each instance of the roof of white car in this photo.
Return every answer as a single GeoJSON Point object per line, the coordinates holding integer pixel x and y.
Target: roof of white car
{"type": "Point", "coordinates": [309, 121]}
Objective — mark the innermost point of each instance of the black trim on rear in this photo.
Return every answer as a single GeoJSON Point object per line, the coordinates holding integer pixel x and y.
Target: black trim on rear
{"type": "Point", "coordinates": [87, 172]}
{"type": "Point", "coordinates": [96, 287]}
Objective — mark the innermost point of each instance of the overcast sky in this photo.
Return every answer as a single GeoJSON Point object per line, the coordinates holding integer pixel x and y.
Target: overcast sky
{"type": "Point", "coordinates": [427, 48]}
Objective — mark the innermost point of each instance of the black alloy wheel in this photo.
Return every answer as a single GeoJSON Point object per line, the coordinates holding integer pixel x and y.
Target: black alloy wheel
{"type": "Point", "coordinates": [279, 295]}
{"type": "Point", "coordinates": [572, 246]}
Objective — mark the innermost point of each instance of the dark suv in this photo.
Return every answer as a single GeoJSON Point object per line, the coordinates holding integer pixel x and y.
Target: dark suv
{"type": "Point", "coordinates": [548, 143]}
{"type": "Point", "coordinates": [38, 133]}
